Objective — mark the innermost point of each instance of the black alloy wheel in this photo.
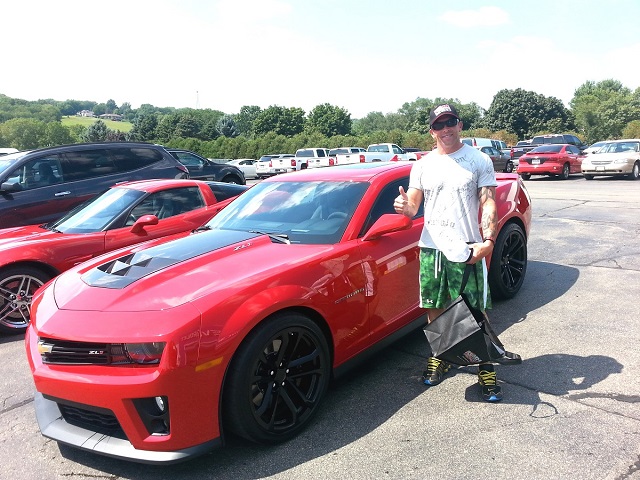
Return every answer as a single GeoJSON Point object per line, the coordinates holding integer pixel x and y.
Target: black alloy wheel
{"type": "Point", "coordinates": [277, 379]}
{"type": "Point", "coordinates": [508, 262]}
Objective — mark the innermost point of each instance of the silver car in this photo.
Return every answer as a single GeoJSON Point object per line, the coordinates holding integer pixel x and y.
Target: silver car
{"type": "Point", "coordinates": [614, 158]}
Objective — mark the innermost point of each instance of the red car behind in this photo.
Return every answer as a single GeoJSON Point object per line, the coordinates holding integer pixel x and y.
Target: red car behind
{"type": "Point", "coordinates": [126, 214]}
{"type": "Point", "coordinates": [559, 160]}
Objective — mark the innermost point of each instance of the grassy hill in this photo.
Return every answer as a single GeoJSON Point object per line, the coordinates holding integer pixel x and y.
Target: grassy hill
{"type": "Point", "coordinates": [87, 121]}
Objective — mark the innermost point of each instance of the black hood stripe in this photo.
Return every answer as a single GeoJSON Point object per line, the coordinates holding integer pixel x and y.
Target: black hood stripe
{"type": "Point", "coordinates": [123, 271]}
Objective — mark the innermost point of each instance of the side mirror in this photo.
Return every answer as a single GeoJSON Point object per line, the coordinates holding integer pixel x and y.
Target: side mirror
{"type": "Point", "coordinates": [387, 223]}
{"type": "Point", "coordinates": [10, 187]}
{"type": "Point", "coordinates": [143, 221]}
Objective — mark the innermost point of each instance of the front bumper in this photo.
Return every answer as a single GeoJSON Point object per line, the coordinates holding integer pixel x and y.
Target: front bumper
{"type": "Point", "coordinates": [52, 425]}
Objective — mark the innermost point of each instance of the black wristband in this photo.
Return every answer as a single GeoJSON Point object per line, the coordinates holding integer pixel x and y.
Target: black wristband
{"type": "Point", "coordinates": [490, 239]}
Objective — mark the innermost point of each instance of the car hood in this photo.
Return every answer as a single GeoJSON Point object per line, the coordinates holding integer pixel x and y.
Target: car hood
{"type": "Point", "coordinates": [10, 237]}
{"type": "Point", "coordinates": [167, 275]}
{"type": "Point", "coordinates": [609, 157]}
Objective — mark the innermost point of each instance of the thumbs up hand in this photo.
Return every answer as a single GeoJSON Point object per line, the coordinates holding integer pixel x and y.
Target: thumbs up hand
{"type": "Point", "coordinates": [401, 202]}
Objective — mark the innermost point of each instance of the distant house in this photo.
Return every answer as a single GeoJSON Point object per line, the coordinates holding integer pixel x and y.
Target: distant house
{"type": "Point", "coordinates": [111, 116]}
{"type": "Point", "coordinates": [85, 113]}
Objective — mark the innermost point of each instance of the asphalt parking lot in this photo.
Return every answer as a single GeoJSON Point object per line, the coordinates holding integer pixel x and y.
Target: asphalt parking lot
{"type": "Point", "coordinates": [571, 410]}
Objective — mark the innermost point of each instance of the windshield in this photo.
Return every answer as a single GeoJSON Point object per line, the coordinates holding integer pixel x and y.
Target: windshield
{"type": "Point", "coordinates": [547, 149]}
{"type": "Point", "coordinates": [305, 153]}
{"type": "Point", "coordinates": [99, 213]}
{"type": "Point", "coordinates": [617, 147]}
{"type": "Point", "coordinates": [306, 212]}
{"type": "Point", "coordinates": [6, 161]}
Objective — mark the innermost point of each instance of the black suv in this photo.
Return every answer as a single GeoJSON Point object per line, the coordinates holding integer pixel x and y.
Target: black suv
{"type": "Point", "coordinates": [39, 186]}
{"type": "Point", "coordinates": [202, 168]}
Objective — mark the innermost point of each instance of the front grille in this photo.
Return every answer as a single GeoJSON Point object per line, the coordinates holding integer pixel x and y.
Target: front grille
{"type": "Point", "coordinates": [80, 353]}
{"type": "Point", "coordinates": [91, 418]}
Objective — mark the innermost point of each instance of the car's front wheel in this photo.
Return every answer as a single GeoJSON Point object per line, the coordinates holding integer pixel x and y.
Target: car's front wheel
{"type": "Point", "coordinates": [509, 167]}
{"type": "Point", "coordinates": [232, 179]}
{"type": "Point", "coordinates": [508, 262]}
{"type": "Point", "coordinates": [277, 379]}
{"type": "Point", "coordinates": [635, 171]}
{"type": "Point", "coordinates": [17, 286]}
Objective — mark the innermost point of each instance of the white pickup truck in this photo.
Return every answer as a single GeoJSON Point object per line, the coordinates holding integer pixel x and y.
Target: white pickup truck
{"type": "Point", "coordinates": [300, 161]}
{"type": "Point", "coordinates": [378, 152]}
{"type": "Point", "coordinates": [330, 161]}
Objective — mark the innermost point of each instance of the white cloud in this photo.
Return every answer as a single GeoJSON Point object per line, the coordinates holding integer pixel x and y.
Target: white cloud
{"type": "Point", "coordinates": [481, 17]}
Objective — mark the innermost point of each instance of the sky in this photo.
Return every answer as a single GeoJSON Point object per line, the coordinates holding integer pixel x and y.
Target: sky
{"type": "Point", "coordinates": [361, 55]}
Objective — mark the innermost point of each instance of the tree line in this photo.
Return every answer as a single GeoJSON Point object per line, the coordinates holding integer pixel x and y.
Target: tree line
{"type": "Point", "coordinates": [598, 111]}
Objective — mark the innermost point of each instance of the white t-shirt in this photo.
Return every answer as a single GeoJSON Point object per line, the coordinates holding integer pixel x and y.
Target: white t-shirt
{"type": "Point", "coordinates": [450, 184]}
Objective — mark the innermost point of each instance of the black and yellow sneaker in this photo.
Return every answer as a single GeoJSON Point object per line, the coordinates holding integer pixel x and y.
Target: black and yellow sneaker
{"type": "Point", "coordinates": [436, 369]}
{"type": "Point", "coordinates": [488, 380]}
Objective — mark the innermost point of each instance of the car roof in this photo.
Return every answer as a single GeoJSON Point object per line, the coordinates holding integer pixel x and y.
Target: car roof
{"type": "Point", "coordinates": [357, 172]}
{"type": "Point", "coordinates": [159, 184]}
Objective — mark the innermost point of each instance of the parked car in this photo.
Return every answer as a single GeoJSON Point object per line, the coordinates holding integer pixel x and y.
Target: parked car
{"type": "Point", "coordinates": [247, 166]}
{"type": "Point", "coordinates": [202, 168]}
{"type": "Point", "coordinates": [38, 186]}
{"type": "Point", "coordinates": [551, 139]}
{"type": "Point", "coordinates": [128, 213]}
{"type": "Point", "coordinates": [615, 158]}
{"type": "Point", "coordinates": [501, 163]}
{"type": "Point", "coordinates": [300, 161]}
{"type": "Point", "coordinates": [330, 160]}
{"type": "Point", "coordinates": [243, 323]}
{"type": "Point", "coordinates": [265, 167]}
{"type": "Point", "coordinates": [555, 160]}
{"type": "Point", "coordinates": [594, 147]}
{"type": "Point", "coordinates": [499, 145]}
{"type": "Point", "coordinates": [7, 151]}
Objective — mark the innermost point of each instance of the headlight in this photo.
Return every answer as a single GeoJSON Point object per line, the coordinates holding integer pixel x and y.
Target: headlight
{"type": "Point", "coordinates": [623, 161]}
{"type": "Point", "coordinates": [144, 353]}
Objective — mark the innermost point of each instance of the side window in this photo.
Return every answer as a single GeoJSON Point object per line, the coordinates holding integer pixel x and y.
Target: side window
{"type": "Point", "coordinates": [189, 160]}
{"type": "Point", "coordinates": [396, 149]}
{"type": "Point", "coordinates": [39, 172]}
{"type": "Point", "coordinates": [321, 153]}
{"type": "Point", "coordinates": [384, 203]}
{"type": "Point", "coordinates": [168, 203]}
{"type": "Point", "coordinates": [128, 159]}
{"type": "Point", "coordinates": [83, 164]}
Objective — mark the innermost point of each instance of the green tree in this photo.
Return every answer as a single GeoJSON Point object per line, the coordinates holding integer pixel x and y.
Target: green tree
{"type": "Point", "coordinates": [96, 132]}
{"type": "Point", "coordinates": [57, 134]}
{"type": "Point", "coordinates": [603, 109]}
{"type": "Point", "coordinates": [527, 113]}
{"type": "Point", "coordinates": [329, 120]}
{"type": "Point", "coordinates": [100, 109]}
{"type": "Point", "coordinates": [280, 120]}
{"type": "Point", "coordinates": [244, 120]}
{"type": "Point", "coordinates": [187, 127]}
{"type": "Point", "coordinates": [226, 127]}
{"type": "Point", "coordinates": [144, 127]}
{"type": "Point", "coordinates": [632, 130]}
{"type": "Point", "coordinates": [23, 133]}
{"type": "Point", "coordinates": [110, 106]}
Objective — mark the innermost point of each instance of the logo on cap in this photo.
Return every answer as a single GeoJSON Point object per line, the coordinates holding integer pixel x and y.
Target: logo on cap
{"type": "Point", "coordinates": [442, 109]}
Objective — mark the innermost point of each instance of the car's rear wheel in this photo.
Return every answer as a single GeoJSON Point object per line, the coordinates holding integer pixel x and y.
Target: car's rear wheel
{"type": "Point", "coordinates": [565, 172]}
{"type": "Point", "coordinates": [509, 167]}
{"type": "Point", "coordinates": [635, 172]}
{"type": "Point", "coordinates": [232, 179]}
{"type": "Point", "coordinates": [525, 176]}
{"type": "Point", "coordinates": [508, 262]}
{"type": "Point", "coordinates": [277, 379]}
{"type": "Point", "coordinates": [588, 177]}
{"type": "Point", "coordinates": [17, 286]}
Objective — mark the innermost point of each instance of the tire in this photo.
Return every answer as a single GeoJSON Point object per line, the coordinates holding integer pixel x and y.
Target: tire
{"type": "Point", "coordinates": [509, 167]}
{"type": "Point", "coordinates": [508, 262]}
{"type": "Point", "coordinates": [525, 176]}
{"type": "Point", "coordinates": [588, 177]}
{"type": "Point", "coordinates": [17, 286]}
{"type": "Point", "coordinates": [232, 179]}
{"type": "Point", "coordinates": [277, 379]}
{"type": "Point", "coordinates": [635, 171]}
{"type": "Point", "coordinates": [565, 172]}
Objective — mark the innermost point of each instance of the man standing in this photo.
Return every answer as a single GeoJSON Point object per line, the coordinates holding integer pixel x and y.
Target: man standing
{"type": "Point", "coordinates": [454, 181]}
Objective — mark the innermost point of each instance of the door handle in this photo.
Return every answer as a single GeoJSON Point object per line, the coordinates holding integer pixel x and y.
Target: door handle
{"type": "Point", "coordinates": [62, 194]}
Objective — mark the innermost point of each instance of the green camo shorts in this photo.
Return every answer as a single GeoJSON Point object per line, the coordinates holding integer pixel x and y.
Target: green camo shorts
{"type": "Point", "coordinates": [440, 281]}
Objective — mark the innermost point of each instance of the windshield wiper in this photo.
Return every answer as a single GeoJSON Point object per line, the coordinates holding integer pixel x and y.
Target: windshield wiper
{"type": "Point", "coordinates": [203, 228]}
{"type": "Point", "coordinates": [48, 226]}
{"type": "Point", "coordinates": [278, 237]}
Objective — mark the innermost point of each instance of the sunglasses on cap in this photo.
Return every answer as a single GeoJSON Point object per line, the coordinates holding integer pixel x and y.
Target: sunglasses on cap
{"type": "Point", "coordinates": [451, 122]}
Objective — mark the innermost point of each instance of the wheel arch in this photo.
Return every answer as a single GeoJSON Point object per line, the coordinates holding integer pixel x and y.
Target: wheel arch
{"type": "Point", "coordinates": [42, 266]}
